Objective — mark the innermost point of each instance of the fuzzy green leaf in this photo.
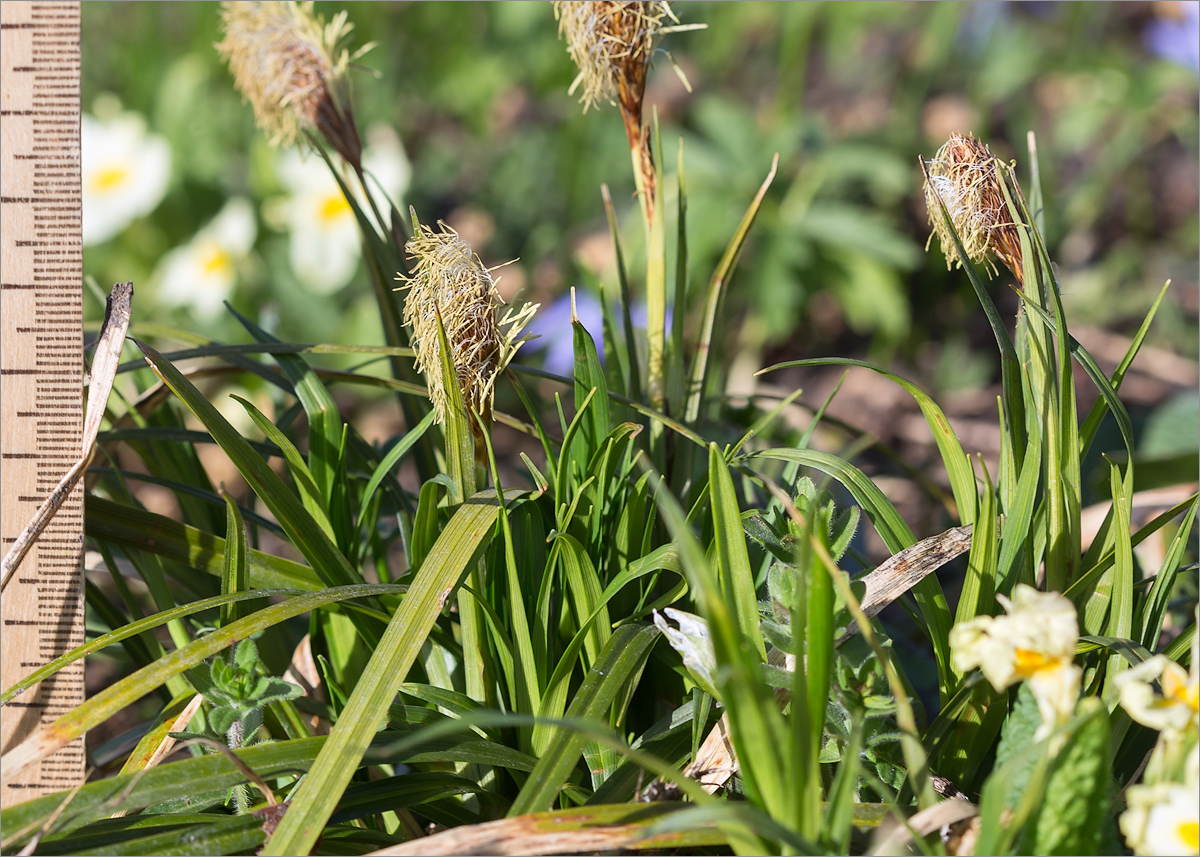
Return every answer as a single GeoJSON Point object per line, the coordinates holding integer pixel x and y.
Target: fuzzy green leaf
{"type": "Point", "coordinates": [1072, 814]}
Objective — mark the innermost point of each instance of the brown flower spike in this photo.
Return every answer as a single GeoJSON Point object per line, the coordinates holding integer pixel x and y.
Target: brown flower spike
{"type": "Point", "coordinates": [967, 176]}
{"type": "Point", "coordinates": [612, 43]}
{"type": "Point", "coordinates": [291, 66]}
{"type": "Point", "coordinates": [449, 280]}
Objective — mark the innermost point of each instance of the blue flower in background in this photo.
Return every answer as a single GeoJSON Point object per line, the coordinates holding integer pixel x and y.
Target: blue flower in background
{"type": "Point", "coordinates": [552, 326]}
{"type": "Point", "coordinates": [1176, 37]}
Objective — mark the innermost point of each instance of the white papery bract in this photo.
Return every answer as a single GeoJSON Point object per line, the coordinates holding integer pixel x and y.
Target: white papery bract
{"type": "Point", "coordinates": [694, 643]}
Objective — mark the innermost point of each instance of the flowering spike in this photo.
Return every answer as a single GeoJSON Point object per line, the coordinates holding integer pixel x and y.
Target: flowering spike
{"type": "Point", "coordinates": [291, 66]}
{"type": "Point", "coordinates": [966, 177]}
{"type": "Point", "coordinates": [450, 281]}
{"type": "Point", "coordinates": [612, 42]}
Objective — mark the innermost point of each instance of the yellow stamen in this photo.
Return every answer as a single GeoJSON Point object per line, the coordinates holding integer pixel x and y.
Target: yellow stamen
{"type": "Point", "coordinates": [109, 177]}
{"type": "Point", "coordinates": [1177, 688]}
{"type": "Point", "coordinates": [1028, 662]}
{"type": "Point", "coordinates": [216, 262]}
{"type": "Point", "coordinates": [333, 207]}
{"type": "Point", "coordinates": [1189, 832]}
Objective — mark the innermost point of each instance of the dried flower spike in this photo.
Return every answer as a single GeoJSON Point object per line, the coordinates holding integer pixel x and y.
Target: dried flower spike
{"type": "Point", "coordinates": [291, 66]}
{"type": "Point", "coordinates": [449, 280]}
{"type": "Point", "coordinates": [967, 176]}
{"type": "Point", "coordinates": [612, 42]}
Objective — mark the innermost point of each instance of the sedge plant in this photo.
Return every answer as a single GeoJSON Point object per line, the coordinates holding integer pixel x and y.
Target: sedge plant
{"type": "Point", "coordinates": [481, 656]}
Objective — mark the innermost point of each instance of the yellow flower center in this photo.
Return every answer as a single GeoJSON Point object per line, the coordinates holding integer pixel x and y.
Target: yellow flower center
{"type": "Point", "coordinates": [1189, 832]}
{"type": "Point", "coordinates": [109, 177]}
{"type": "Point", "coordinates": [333, 207]}
{"type": "Point", "coordinates": [1028, 661]}
{"type": "Point", "coordinates": [1177, 688]}
{"type": "Point", "coordinates": [215, 262]}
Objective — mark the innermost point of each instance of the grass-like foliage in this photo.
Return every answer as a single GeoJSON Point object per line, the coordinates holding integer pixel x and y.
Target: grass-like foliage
{"type": "Point", "coordinates": [472, 651]}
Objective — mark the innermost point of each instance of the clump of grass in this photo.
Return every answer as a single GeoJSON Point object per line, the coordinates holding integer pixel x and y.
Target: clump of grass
{"type": "Point", "coordinates": [505, 656]}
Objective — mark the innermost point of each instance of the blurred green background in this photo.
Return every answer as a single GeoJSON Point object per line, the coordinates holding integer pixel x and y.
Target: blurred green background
{"type": "Point", "coordinates": [849, 94]}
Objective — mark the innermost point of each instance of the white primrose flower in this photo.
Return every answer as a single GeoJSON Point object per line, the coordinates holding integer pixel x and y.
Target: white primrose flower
{"type": "Point", "coordinates": [1177, 708]}
{"type": "Point", "coordinates": [1164, 818]}
{"type": "Point", "coordinates": [201, 274]}
{"type": "Point", "coordinates": [124, 174]}
{"type": "Point", "coordinates": [324, 240]}
{"type": "Point", "coordinates": [694, 643]}
{"type": "Point", "coordinates": [1034, 642]}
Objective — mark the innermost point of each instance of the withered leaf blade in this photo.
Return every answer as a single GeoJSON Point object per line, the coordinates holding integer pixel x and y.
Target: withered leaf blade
{"type": "Point", "coordinates": [104, 372]}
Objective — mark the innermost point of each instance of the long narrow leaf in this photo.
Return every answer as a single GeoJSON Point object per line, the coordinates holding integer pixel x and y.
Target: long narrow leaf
{"type": "Point", "coordinates": [734, 573]}
{"type": "Point", "coordinates": [629, 360]}
{"type": "Point", "coordinates": [306, 485]}
{"type": "Point", "coordinates": [303, 531]}
{"type": "Point", "coordinates": [390, 460]}
{"type": "Point", "coordinates": [958, 468]}
{"type": "Point", "coordinates": [235, 576]}
{"type": "Point", "coordinates": [713, 298]}
{"type": "Point", "coordinates": [49, 739]}
{"type": "Point", "coordinates": [130, 527]}
{"type": "Point", "coordinates": [324, 421]}
{"type": "Point", "coordinates": [134, 628]}
{"type": "Point", "coordinates": [621, 658]}
{"type": "Point", "coordinates": [455, 553]}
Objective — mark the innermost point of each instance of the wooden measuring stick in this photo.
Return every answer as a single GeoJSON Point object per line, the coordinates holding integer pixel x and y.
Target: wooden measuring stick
{"type": "Point", "coordinates": [41, 372]}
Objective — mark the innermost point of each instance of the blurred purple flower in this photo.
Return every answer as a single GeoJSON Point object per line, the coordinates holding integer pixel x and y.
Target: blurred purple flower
{"type": "Point", "coordinates": [552, 326]}
{"type": "Point", "coordinates": [1176, 38]}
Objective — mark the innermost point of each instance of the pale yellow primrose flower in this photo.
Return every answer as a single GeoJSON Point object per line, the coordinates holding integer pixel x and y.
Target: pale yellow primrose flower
{"type": "Point", "coordinates": [1164, 818]}
{"type": "Point", "coordinates": [694, 643]}
{"type": "Point", "coordinates": [1034, 642]}
{"type": "Point", "coordinates": [1178, 707]}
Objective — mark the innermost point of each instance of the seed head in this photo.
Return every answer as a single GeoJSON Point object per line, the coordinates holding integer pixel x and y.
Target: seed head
{"type": "Point", "coordinates": [291, 66]}
{"type": "Point", "coordinates": [612, 42]}
{"type": "Point", "coordinates": [966, 176]}
{"type": "Point", "coordinates": [449, 280]}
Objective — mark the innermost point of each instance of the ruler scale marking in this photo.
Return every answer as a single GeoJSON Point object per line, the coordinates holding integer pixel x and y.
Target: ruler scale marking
{"type": "Point", "coordinates": [41, 293]}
